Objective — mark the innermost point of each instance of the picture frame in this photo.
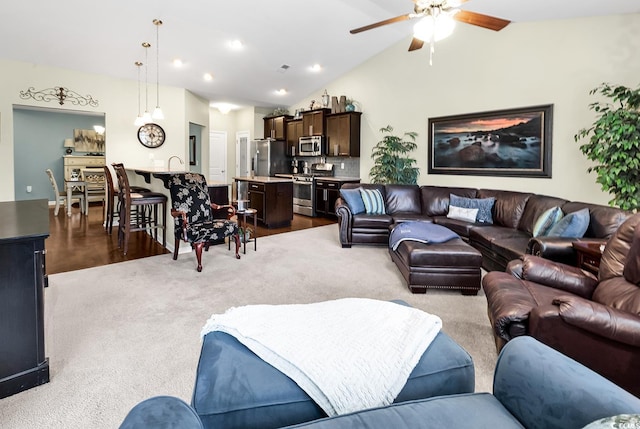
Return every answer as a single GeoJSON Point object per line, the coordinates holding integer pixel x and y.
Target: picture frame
{"type": "Point", "coordinates": [192, 150]}
{"type": "Point", "coordinates": [510, 142]}
{"type": "Point", "coordinates": [88, 141]}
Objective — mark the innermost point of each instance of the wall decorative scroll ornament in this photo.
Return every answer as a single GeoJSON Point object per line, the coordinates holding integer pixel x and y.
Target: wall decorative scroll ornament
{"type": "Point", "coordinates": [61, 94]}
{"type": "Point", "coordinates": [513, 142]}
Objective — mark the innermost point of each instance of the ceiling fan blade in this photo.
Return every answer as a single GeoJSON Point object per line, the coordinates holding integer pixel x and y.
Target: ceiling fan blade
{"type": "Point", "coordinates": [381, 23]}
{"type": "Point", "coordinates": [416, 44]}
{"type": "Point", "coordinates": [485, 21]}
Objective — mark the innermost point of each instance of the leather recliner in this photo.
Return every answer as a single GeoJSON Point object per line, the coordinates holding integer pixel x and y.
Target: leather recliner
{"type": "Point", "coordinates": [594, 320]}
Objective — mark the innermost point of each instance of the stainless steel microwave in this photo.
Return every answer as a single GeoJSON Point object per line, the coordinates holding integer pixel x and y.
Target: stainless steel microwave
{"type": "Point", "coordinates": [311, 146]}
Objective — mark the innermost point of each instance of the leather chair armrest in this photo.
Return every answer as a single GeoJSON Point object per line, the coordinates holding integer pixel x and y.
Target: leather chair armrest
{"type": "Point", "coordinates": [599, 319]}
{"type": "Point", "coordinates": [345, 219]}
{"type": "Point", "coordinates": [556, 275]}
{"type": "Point", "coordinates": [509, 304]}
{"type": "Point", "coordinates": [557, 249]}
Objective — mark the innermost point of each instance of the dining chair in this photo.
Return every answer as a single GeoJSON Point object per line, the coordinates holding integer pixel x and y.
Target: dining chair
{"type": "Point", "coordinates": [145, 205]}
{"type": "Point", "coordinates": [61, 196]}
{"type": "Point", "coordinates": [94, 187]}
{"type": "Point", "coordinates": [112, 201]}
{"type": "Point", "coordinates": [195, 216]}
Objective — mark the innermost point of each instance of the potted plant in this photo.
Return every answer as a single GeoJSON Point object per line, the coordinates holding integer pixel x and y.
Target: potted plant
{"type": "Point", "coordinates": [613, 143]}
{"type": "Point", "coordinates": [245, 234]}
{"type": "Point", "coordinates": [391, 165]}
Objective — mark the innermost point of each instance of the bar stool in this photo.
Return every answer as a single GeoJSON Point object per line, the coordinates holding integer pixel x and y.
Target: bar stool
{"type": "Point", "coordinates": [146, 216]}
{"type": "Point", "coordinates": [112, 209]}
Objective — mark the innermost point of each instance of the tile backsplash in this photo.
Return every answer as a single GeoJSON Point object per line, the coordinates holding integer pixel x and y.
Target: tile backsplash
{"type": "Point", "coordinates": [351, 165]}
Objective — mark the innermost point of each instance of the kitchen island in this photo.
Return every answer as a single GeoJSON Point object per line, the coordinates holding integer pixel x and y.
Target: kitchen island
{"type": "Point", "coordinates": [272, 197]}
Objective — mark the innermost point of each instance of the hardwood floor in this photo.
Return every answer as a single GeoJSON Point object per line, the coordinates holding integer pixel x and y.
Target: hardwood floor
{"type": "Point", "coordinates": [80, 241]}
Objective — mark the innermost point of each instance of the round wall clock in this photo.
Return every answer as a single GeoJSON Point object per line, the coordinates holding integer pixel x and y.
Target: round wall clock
{"type": "Point", "coordinates": [151, 135]}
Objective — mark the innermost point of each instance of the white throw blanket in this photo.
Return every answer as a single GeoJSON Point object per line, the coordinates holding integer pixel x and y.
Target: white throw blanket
{"type": "Point", "coordinates": [347, 354]}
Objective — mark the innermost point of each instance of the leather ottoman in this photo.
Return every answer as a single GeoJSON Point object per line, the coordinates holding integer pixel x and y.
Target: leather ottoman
{"type": "Point", "coordinates": [236, 389]}
{"type": "Point", "coordinates": [453, 264]}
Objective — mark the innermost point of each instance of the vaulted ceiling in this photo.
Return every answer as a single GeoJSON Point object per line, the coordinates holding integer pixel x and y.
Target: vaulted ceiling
{"type": "Point", "coordinates": [281, 39]}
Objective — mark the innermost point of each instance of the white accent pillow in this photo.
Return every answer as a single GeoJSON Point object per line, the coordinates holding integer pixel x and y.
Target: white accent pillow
{"type": "Point", "coordinates": [460, 213]}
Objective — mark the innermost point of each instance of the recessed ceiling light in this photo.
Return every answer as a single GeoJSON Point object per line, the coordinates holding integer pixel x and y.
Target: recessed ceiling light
{"type": "Point", "coordinates": [208, 76]}
{"type": "Point", "coordinates": [281, 91]}
{"type": "Point", "coordinates": [178, 62]}
{"type": "Point", "coordinates": [316, 68]}
{"type": "Point", "coordinates": [236, 44]}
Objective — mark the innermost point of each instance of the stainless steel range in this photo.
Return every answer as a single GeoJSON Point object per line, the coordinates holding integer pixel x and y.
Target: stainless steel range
{"type": "Point", "coordinates": [304, 189]}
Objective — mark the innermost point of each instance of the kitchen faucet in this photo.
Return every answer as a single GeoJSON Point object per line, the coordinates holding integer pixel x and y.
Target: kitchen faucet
{"type": "Point", "coordinates": [170, 158]}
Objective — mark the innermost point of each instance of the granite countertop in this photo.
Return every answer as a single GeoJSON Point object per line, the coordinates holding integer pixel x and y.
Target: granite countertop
{"type": "Point", "coordinates": [340, 179]}
{"type": "Point", "coordinates": [263, 179]}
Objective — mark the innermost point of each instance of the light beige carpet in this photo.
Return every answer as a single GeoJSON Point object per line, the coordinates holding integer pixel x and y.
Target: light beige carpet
{"type": "Point", "coordinates": [118, 334]}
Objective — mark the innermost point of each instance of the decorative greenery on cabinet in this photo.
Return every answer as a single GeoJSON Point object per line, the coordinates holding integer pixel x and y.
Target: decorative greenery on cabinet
{"type": "Point", "coordinates": [613, 143]}
{"type": "Point", "coordinates": [391, 165]}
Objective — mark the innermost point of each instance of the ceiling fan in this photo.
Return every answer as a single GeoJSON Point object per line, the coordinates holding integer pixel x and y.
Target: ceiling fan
{"type": "Point", "coordinates": [437, 21]}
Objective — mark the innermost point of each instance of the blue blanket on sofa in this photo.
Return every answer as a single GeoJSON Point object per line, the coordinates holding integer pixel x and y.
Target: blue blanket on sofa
{"type": "Point", "coordinates": [423, 232]}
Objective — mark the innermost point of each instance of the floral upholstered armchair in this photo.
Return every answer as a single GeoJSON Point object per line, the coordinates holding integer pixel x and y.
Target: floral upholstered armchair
{"type": "Point", "coordinates": [194, 215]}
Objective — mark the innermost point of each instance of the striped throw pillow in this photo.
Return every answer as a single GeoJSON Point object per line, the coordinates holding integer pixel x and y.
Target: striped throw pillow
{"type": "Point", "coordinates": [373, 202]}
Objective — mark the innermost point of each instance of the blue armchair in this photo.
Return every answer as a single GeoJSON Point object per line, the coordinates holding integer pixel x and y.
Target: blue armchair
{"type": "Point", "coordinates": [534, 387]}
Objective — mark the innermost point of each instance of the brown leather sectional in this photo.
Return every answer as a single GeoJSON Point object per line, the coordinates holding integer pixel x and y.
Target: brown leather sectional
{"type": "Point", "coordinates": [508, 238]}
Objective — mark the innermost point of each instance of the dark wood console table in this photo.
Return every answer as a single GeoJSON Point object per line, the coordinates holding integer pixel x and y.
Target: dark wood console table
{"type": "Point", "coordinates": [24, 227]}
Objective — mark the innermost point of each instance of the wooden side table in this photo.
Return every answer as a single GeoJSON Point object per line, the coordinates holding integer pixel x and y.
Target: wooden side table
{"type": "Point", "coordinates": [589, 254]}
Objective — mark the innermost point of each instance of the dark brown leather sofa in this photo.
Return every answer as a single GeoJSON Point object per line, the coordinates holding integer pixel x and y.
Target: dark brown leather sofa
{"type": "Point", "coordinates": [595, 321]}
{"type": "Point", "coordinates": [508, 238]}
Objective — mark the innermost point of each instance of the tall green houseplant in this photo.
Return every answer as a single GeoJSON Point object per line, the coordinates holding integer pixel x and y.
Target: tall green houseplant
{"type": "Point", "coordinates": [613, 144]}
{"type": "Point", "coordinates": [391, 163]}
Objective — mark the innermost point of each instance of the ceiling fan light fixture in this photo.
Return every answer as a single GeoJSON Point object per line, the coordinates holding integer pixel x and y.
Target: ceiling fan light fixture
{"type": "Point", "coordinates": [434, 27]}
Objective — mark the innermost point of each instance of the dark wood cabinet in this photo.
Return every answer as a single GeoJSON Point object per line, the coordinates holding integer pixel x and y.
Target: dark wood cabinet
{"type": "Point", "coordinates": [343, 134]}
{"type": "Point", "coordinates": [313, 122]}
{"type": "Point", "coordinates": [294, 132]}
{"type": "Point", "coordinates": [275, 127]}
{"type": "Point", "coordinates": [327, 192]}
{"type": "Point", "coordinates": [23, 230]}
{"type": "Point", "coordinates": [273, 201]}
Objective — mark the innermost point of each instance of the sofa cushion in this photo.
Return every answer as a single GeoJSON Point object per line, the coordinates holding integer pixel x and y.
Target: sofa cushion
{"type": "Point", "coordinates": [467, 215]}
{"type": "Point", "coordinates": [353, 199]}
{"type": "Point", "coordinates": [482, 409]}
{"type": "Point", "coordinates": [546, 221]}
{"type": "Point", "coordinates": [373, 201]}
{"type": "Point", "coordinates": [435, 199]}
{"type": "Point", "coordinates": [402, 199]}
{"type": "Point", "coordinates": [234, 388]}
{"type": "Point", "coordinates": [604, 220]}
{"type": "Point", "coordinates": [365, 221]}
{"type": "Point", "coordinates": [509, 206]}
{"type": "Point", "coordinates": [573, 225]}
{"type": "Point", "coordinates": [460, 227]}
{"type": "Point", "coordinates": [536, 205]}
{"type": "Point", "coordinates": [484, 206]}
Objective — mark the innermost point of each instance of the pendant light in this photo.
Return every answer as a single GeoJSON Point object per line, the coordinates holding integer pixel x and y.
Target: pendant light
{"type": "Point", "coordinates": [157, 112]}
{"type": "Point", "coordinates": [146, 116]}
{"type": "Point", "coordinates": [139, 121]}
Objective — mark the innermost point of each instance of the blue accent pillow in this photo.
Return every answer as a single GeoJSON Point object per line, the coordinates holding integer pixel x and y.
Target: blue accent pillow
{"type": "Point", "coordinates": [573, 225]}
{"type": "Point", "coordinates": [546, 221]}
{"type": "Point", "coordinates": [373, 201]}
{"type": "Point", "coordinates": [484, 206]}
{"type": "Point", "coordinates": [353, 199]}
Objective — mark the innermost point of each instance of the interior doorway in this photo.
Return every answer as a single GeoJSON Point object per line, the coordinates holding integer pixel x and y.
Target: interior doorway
{"type": "Point", "coordinates": [217, 157]}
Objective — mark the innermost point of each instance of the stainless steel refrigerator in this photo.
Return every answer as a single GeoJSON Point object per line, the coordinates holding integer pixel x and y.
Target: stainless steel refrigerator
{"type": "Point", "coordinates": [268, 157]}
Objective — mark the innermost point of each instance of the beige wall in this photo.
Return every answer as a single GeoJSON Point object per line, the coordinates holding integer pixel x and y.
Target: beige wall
{"type": "Point", "coordinates": [117, 99]}
{"type": "Point", "coordinates": [476, 70]}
